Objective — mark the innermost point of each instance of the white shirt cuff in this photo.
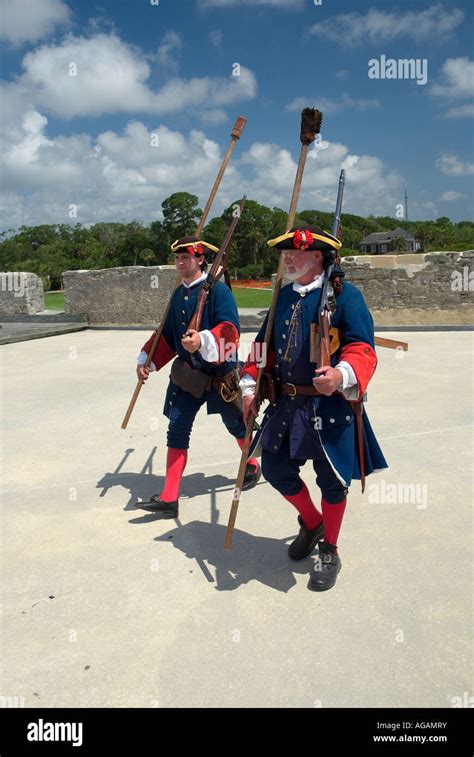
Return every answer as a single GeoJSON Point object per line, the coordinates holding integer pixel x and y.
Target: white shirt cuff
{"type": "Point", "coordinates": [349, 386]}
{"type": "Point", "coordinates": [142, 358]}
{"type": "Point", "coordinates": [208, 348]}
{"type": "Point", "coordinates": [247, 384]}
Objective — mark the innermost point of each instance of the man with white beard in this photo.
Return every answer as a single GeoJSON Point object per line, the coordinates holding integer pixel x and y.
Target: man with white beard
{"type": "Point", "coordinates": [313, 415]}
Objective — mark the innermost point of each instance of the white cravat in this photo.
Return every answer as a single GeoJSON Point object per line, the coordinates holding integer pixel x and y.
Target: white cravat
{"type": "Point", "coordinates": [202, 277]}
{"type": "Point", "coordinates": [315, 284]}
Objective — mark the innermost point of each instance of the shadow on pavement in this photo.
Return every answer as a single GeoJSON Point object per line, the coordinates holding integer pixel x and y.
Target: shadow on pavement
{"type": "Point", "coordinates": [251, 558]}
{"type": "Point", "coordinates": [142, 485]}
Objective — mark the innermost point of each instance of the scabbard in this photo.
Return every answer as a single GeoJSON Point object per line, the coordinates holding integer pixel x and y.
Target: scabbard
{"type": "Point", "coordinates": [358, 408]}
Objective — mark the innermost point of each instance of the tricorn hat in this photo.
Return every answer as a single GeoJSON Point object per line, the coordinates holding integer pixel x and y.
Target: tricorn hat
{"type": "Point", "coordinates": [306, 238]}
{"type": "Point", "coordinates": [192, 245]}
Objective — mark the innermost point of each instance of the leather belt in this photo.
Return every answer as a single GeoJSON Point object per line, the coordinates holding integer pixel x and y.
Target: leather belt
{"type": "Point", "coordinates": [216, 381]}
{"type": "Point", "coordinates": [292, 390]}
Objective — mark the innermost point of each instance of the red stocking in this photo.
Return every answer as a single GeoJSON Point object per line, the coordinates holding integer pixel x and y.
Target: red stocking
{"type": "Point", "coordinates": [175, 464]}
{"type": "Point", "coordinates": [332, 515]}
{"type": "Point", "coordinates": [304, 504]}
{"type": "Point", "coordinates": [253, 460]}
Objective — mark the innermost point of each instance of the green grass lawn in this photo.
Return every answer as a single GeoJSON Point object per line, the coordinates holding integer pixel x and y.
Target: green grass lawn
{"type": "Point", "coordinates": [245, 298]}
{"type": "Point", "coordinates": [253, 298]}
{"type": "Point", "coordinates": [54, 301]}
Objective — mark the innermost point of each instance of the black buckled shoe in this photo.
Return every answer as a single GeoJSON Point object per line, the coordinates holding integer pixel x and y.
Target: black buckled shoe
{"type": "Point", "coordinates": [157, 506]}
{"type": "Point", "coordinates": [252, 475]}
{"type": "Point", "coordinates": [306, 540]}
{"type": "Point", "coordinates": [325, 569]}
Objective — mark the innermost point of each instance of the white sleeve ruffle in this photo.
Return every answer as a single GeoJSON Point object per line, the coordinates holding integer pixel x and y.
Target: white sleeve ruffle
{"type": "Point", "coordinates": [142, 358]}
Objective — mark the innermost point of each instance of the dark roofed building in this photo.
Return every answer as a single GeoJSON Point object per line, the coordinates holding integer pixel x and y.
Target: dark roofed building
{"type": "Point", "coordinates": [383, 242]}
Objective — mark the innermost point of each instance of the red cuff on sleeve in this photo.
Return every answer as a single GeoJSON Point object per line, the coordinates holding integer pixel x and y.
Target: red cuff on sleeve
{"type": "Point", "coordinates": [163, 353]}
{"type": "Point", "coordinates": [363, 360]}
{"type": "Point", "coordinates": [256, 360]}
{"type": "Point", "coordinates": [227, 338]}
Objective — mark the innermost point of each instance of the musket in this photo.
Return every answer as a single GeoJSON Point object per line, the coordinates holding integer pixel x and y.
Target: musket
{"type": "Point", "coordinates": [321, 347]}
{"type": "Point", "coordinates": [325, 349]}
{"type": "Point", "coordinates": [393, 344]}
{"type": "Point", "coordinates": [236, 133]}
{"type": "Point", "coordinates": [216, 271]}
{"type": "Point", "coordinates": [326, 306]}
{"type": "Point", "coordinates": [310, 127]}
{"type": "Point", "coordinates": [336, 224]}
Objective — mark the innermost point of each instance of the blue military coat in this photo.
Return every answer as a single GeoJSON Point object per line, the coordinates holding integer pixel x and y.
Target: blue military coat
{"type": "Point", "coordinates": [315, 422]}
{"type": "Point", "coordinates": [220, 307]}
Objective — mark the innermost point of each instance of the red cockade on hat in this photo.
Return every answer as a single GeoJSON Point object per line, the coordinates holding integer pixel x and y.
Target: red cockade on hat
{"type": "Point", "coordinates": [302, 240]}
{"type": "Point", "coordinates": [195, 249]}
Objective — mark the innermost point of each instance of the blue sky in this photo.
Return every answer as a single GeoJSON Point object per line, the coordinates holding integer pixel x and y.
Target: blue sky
{"type": "Point", "coordinates": [85, 86]}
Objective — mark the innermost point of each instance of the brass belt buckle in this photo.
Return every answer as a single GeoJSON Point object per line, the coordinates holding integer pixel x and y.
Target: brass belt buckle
{"type": "Point", "coordinates": [228, 394]}
{"type": "Point", "coordinates": [292, 394]}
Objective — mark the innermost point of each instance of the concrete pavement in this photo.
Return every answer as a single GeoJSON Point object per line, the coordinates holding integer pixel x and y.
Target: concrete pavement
{"type": "Point", "coordinates": [104, 605]}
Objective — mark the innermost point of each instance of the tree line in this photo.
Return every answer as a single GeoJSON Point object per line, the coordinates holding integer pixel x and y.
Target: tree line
{"type": "Point", "coordinates": [50, 249]}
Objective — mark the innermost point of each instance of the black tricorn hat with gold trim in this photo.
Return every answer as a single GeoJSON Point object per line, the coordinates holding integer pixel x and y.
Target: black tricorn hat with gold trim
{"type": "Point", "coordinates": [192, 245]}
{"type": "Point", "coordinates": [306, 238]}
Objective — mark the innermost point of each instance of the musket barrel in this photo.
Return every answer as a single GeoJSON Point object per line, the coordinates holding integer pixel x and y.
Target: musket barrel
{"type": "Point", "coordinates": [340, 193]}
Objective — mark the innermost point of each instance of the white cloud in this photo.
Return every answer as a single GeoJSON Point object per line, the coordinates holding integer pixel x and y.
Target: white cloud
{"type": "Point", "coordinates": [30, 20]}
{"type": "Point", "coordinates": [430, 208]}
{"type": "Point", "coordinates": [116, 176]}
{"type": "Point", "coordinates": [214, 117]}
{"type": "Point", "coordinates": [457, 79]}
{"type": "Point", "coordinates": [87, 77]}
{"type": "Point", "coordinates": [121, 176]}
{"type": "Point", "coordinates": [45, 168]}
{"type": "Point", "coordinates": [456, 83]}
{"type": "Point", "coordinates": [461, 111]}
{"type": "Point", "coordinates": [108, 176]}
{"type": "Point", "coordinates": [450, 165]}
{"type": "Point", "coordinates": [169, 49]}
{"type": "Point", "coordinates": [377, 26]}
{"type": "Point", "coordinates": [328, 106]}
{"type": "Point", "coordinates": [110, 76]}
{"type": "Point", "coordinates": [179, 94]}
{"type": "Point", "coordinates": [371, 186]}
{"type": "Point", "coordinates": [25, 151]}
{"type": "Point", "coordinates": [452, 196]}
